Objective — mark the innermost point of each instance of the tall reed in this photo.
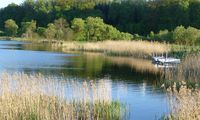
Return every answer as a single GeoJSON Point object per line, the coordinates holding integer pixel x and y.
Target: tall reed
{"type": "Point", "coordinates": [35, 97]}
{"type": "Point", "coordinates": [185, 102]}
{"type": "Point", "coordinates": [188, 70]}
{"type": "Point", "coordinates": [119, 48]}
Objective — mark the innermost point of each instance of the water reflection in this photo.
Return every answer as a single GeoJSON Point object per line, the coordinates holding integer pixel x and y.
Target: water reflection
{"type": "Point", "coordinates": [133, 81]}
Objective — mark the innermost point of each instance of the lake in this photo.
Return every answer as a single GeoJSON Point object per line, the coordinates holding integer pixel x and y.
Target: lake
{"type": "Point", "coordinates": [135, 82]}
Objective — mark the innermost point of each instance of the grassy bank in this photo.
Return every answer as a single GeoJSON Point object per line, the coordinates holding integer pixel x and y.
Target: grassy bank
{"type": "Point", "coordinates": [136, 48]}
{"type": "Point", "coordinates": [35, 97]}
{"type": "Point", "coordinates": [142, 49]}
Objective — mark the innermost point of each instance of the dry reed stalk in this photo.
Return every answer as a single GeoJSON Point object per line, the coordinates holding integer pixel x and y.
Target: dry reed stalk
{"type": "Point", "coordinates": [24, 97]}
{"type": "Point", "coordinates": [188, 70]}
{"type": "Point", "coordinates": [185, 103]}
{"type": "Point", "coordinates": [129, 48]}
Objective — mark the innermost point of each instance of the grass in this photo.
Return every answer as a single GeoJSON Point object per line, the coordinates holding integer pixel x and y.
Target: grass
{"type": "Point", "coordinates": [142, 49]}
{"type": "Point", "coordinates": [34, 97]}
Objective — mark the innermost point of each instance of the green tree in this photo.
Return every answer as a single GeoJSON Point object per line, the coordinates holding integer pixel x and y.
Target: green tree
{"type": "Point", "coordinates": [63, 30]}
{"type": "Point", "coordinates": [50, 32]}
{"type": "Point", "coordinates": [188, 36]}
{"type": "Point", "coordinates": [78, 25]}
{"type": "Point", "coordinates": [94, 29]}
{"type": "Point", "coordinates": [11, 27]}
{"type": "Point", "coordinates": [194, 13]}
{"type": "Point", "coordinates": [59, 30]}
{"type": "Point", "coordinates": [28, 29]}
{"type": "Point", "coordinates": [61, 24]}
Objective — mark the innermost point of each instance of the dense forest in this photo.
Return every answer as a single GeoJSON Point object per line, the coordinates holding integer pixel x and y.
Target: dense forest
{"type": "Point", "coordinates": [154, 19]}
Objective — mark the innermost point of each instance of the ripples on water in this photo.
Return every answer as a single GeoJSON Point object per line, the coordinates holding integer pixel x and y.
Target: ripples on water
{"type": "Point", "coordinates": [135, 82]}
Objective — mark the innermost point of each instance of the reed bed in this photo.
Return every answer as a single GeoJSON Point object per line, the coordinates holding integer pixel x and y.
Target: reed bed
{"type": "Point", "coordinates": [142, 49]}
{"type": "Point", "coordinates": [188, 70]}
{"type": "Point", "coordinates": [183, 88]}
{"type": "Point", "coordinates": [185, 102]}
{"type": "Point", "coordinates": [35, 97]}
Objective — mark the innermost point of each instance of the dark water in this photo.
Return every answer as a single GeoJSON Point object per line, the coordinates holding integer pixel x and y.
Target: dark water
{"type": "Point", "coordinates": [133, 81]}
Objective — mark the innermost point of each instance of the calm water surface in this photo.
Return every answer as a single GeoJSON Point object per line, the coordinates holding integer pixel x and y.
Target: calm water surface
{"type": "Point", "coordinates": [133, 81]}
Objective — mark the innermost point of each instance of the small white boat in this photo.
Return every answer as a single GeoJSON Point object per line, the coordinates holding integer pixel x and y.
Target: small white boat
{"type": "Point", "coordinates": [156, 59]}
{"type": "Point", "coordinates": [165, 60]}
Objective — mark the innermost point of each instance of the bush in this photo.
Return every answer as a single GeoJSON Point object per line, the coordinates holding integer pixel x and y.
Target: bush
{"type": "Point", "coordinates": [162, 35]}
{"type": "Point", "coordinates": [41, 31]}
{"type": "Point", "coordinates": [186, 36]}
{"type": "Point", "coordinates": [11, 27]}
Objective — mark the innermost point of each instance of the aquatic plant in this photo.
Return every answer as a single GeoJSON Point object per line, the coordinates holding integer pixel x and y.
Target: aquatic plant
{"type": "Point", "coordinates": [34, 97]}
{"type": "Point", "coordinates": [184, 102]}
{"type": "Point", "coordinates": [142, 49]}
{"type": "Point", "coordinates": [188, 70]}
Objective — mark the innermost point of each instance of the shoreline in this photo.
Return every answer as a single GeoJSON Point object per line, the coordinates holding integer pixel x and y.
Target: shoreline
{"type": "Point", "coordinates": [122, 48]}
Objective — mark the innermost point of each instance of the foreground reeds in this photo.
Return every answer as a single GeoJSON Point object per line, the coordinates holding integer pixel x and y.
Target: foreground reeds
{"type": "Point", "coordinates": [34, 97]}
{"type": "Point", "coordinates": [185, 102]}
{"type": "Point", "coordinates": [183, 88]}
{"type": "Point", "coordinates": [142, 49]}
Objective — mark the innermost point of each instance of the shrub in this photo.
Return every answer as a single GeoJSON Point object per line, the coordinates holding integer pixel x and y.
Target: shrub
{"type": "Point", "coordinates": [11, 27]}
{"type": "Point", "coordinates": [41, 31]}
{"type": "Point", "coordinates": [162, 35]}
{"type": "Point", "coordinates": [186, 36]}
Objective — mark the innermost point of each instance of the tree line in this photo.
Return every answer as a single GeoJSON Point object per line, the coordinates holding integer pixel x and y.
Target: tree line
{"type": "Point", "coordinates": [143, 17]}
{"type": "Point", "coordinates": [89, 29]}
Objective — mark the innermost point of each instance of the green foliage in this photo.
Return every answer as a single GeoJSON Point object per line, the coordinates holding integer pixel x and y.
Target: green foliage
{"type": "Point", "coordinates": [180, 35]}
{"type": "Point", "coordinates": [194, 9]}
{"type": "Point", "coordinates": [162, 35]}
{"type": "Point", "coordinates": [78, 25]}
{"type": "Point", "coordinates": [125, 36]}
{"type": "Point", "coordinates": [41, 31]}
{"type": "Point", "coordinates": [11, 27]}
{"type": "Point", "coordinates": [132, 16]}
{"type": "Point", "coordinates": [62, 29]}
{"type": "Point", "coordinates": [50, 32]}
{"type": "Point", "coordinates": [1, 33]}
{"type": "Point", "coordinates": [28, 29]}
{"type": "Point", "coordinates": [186, 36]}
{"type": "Point", "coordinates": [90, 29]}
{"type": "Point", "coordinates": [87, 4]}
{"type": "Point", "coordinates": [59, 30]}
{"type": "Point", "coordinates": [94, 29]}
